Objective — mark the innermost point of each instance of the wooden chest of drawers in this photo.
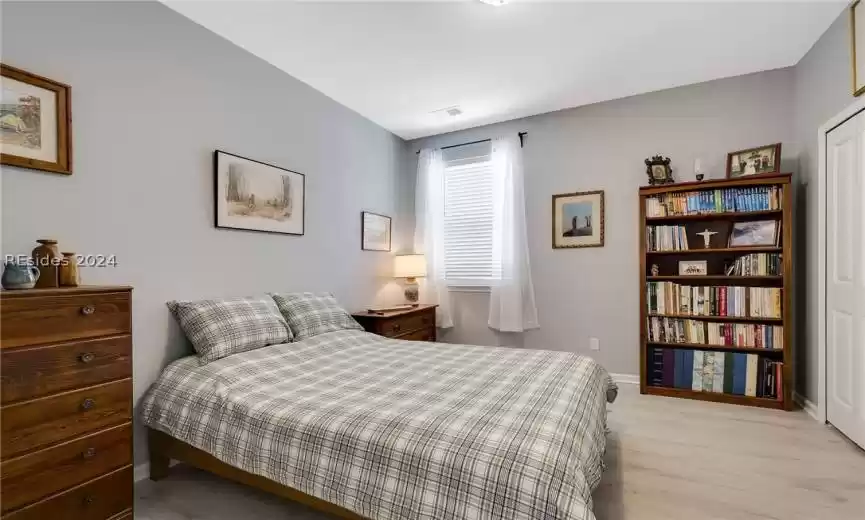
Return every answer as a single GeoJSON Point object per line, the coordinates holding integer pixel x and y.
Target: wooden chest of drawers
{"type": "Point", "coordinates": [417, 324]}
{"type": "Point", "coordinates": [66, 394]}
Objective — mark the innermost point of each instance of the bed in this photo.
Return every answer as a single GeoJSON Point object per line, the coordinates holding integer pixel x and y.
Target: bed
{"type": "Point", "coordinates": [363, 426]}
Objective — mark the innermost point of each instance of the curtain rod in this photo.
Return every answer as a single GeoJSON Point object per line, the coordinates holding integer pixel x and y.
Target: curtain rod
{"type": "Point", "coordinates": [521, 134]}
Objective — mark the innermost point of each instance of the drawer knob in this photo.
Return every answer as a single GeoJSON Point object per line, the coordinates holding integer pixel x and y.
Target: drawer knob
{"type": "Point", "coordinates": [89, 499]}
{"type": "Point", "coordinates": [396, 327]}
{"type": "Point", "coordinates": [87, 357]}
{"type": "Point", "coordinates": [88, 404]}
{"type": "Point", "coordinates": [87, 310]}
{"type": "Point", "coordinates": [89, 453]}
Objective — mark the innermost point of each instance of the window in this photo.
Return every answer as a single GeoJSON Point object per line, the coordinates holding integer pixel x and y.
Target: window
{"type": "Point", "coordinates": [468, 219]}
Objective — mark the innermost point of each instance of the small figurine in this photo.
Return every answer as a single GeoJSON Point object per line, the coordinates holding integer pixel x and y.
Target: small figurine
{"type": "Point", "coordinates": [655, 269]}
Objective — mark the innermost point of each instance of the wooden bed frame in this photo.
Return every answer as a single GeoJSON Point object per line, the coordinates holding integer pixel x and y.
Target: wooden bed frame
{"type": "Point", "coordinates": [164, 447]}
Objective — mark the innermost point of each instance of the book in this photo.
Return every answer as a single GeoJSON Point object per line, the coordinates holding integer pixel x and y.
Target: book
{"type": "Point", "coordinates": [729, 371]}
{"type": "Point", "coordinates": [669, 364]}
{"type": "Point", "coordinates": [708, 371]}
{"type": "Point", "coordinates": [751, 375]}
{"type": "Point", "coordinates": [718, 377]}
{"type": "Point", "coordinates": [740, 367]}
{"type": "Point", "coordinates": [687, 368]}
{"type": "Point", "coordinates": [697, 380]}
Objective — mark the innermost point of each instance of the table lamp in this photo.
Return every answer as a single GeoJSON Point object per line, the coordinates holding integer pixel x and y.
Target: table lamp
{"type": "Point", "coordinates": [409, 267]}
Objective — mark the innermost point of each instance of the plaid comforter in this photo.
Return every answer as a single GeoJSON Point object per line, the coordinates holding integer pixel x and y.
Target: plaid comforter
{"type": "Point", "coordinates": [395, 429]}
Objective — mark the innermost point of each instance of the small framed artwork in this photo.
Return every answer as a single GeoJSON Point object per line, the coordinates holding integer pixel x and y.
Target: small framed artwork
{"type": "Point", "coordinates": [762, 160]}
{"type": "Point", "coordinates": [578, 219]}
{"type": "Point", "coordinates": [659, 171]}
{"type": "Point", "coordinates": [755, 233]}
{"type": "Point", "coordinates": [35, 122]}
{"type": "Point", "coordinates": [375, 232]}
{"type": "Point", "coordinates": [693, 268]}
{"type": "Point", "coordinates": [256, 196]}
{"type": "Point", "coordinates": [857, 47]}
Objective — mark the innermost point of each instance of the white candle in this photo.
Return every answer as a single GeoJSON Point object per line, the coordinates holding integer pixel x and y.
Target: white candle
{"type": "Point", "coordinates": [697, 165]}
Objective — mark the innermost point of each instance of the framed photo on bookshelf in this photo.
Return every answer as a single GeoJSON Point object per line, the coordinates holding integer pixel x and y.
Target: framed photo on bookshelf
{"type": "Point", "coordinates": [755, 233]}
{"type": "Point", "coordinates": [693, 268]}
{"type": "Point", "coordinates": [762, 160]}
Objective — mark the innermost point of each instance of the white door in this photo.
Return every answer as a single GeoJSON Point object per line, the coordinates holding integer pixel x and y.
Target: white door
{"type": "Point", "coordinates": [845, 278]}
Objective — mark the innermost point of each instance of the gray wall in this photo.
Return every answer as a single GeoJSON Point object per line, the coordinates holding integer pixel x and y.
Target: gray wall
{"type": "Point", "coordinates": [153, 95]}
{"type": "Point", "coordinates": [823, 89]}
{"type": "Point", "coordinates": [593, 292]}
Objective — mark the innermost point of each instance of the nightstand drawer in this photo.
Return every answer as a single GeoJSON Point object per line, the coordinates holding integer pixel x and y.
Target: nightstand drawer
{"type": "Point", "coordinates": [405, 324]}
{"type": "Point", "coordinates": [428, 334]}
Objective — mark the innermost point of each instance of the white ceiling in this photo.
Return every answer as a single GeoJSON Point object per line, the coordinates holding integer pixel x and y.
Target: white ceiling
{"type": "Point", "coordinates": [395, 63]}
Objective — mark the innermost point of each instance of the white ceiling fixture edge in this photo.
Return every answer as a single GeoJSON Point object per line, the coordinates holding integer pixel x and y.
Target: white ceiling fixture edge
{"type": "Point", "coordinates": [398, 63]}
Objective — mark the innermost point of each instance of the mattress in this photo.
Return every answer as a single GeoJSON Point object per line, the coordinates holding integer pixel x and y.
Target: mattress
{"type": "Point", "coordinates": [394, 429]}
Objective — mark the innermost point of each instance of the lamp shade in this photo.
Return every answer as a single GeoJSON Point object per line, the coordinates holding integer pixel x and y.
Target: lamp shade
{"type": "Point", "coordinates": [409, 266]}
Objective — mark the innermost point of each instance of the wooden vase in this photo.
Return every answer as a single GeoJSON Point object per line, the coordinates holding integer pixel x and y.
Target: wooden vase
{"type": "Point", "coordinates": [47, 258]}
{"type": "Point", "coordinates": [69, 276]}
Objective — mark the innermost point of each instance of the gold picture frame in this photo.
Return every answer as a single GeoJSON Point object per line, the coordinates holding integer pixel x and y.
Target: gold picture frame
{"type": "Point", "coordinates": [858, 80]}
{"type": "Point", "coordinates": [36, 124]}
{"type": "Point", "coordinates": [578, 219]}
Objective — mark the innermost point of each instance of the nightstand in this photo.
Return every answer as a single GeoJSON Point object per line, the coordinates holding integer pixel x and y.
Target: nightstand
{"type": "Point", "coordinates": [416, 324]}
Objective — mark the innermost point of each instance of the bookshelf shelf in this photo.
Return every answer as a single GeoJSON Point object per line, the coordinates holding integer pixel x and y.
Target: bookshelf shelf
{"type": "Point", "coordinates": [714, 278]}
{"type": "Point", "coordinates": [739, 319]}
{"type": "Point", "coordinates": [701, 346]}
{"type": "Point", "coordinates": [715, 397]}
{"type": "Point", "coordinates": [743, 250]}
{"type": "Point", "coordinates": [738, 215]}
{"type": "Point", "coordinates": [767, 198]}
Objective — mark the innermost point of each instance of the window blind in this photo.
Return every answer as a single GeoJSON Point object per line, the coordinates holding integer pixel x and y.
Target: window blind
{"type": "Point", "coordinates": [468, 224]}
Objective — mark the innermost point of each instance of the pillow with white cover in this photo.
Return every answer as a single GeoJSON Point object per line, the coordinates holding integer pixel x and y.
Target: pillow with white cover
{"type": "Point", "coordinates": [219, 328]}
{"type": "Point", "coordinates": [309, 314]}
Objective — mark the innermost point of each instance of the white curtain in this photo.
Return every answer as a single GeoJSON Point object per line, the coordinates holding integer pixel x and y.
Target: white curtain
{"type": "Point", "coordinates": [429, 231]}
{"type": "Point", "coordinates": [512, 299]}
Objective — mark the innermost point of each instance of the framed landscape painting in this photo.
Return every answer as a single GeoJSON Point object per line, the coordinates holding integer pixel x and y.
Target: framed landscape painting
{"type": "Point", "coordinates": [256, 196]}
{"type": "Point", "coordinates": [35, 121]}
{"type": "Point", "coordinates": [578, 219]}
{"type": "Point", "coordinates": [375, 232]}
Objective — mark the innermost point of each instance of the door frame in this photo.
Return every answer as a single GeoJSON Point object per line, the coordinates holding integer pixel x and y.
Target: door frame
{"type": "Point", "coordinates": [851, 111]}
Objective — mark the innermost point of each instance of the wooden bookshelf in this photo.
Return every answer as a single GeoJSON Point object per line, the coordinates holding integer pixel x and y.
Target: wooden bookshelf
{"type": "Point", "coordinates": [717, 257]}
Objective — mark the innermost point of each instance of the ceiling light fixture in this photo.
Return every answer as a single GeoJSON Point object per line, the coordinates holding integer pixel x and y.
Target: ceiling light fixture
{"type": "Point", "coordinates": [494, 3]}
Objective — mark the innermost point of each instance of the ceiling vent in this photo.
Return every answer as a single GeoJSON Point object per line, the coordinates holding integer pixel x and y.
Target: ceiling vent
{"type": "Point", "coordinates": [453, 111]}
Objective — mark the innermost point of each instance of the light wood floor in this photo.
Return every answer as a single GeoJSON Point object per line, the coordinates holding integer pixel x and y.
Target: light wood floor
{"type": "Point", "coordinates": [668, 459]}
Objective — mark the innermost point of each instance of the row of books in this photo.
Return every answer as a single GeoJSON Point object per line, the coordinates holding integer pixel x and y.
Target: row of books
{"type": "Point", "coordinates": [759, 198]}
{"type": "Point", "coordinates": [756, 264]}
{"type": "Point", "coordinates": [717, 300]}
{"type": "Point", "coordinates": [679, 330]}
{"type": "Point", "coordinates": [666, 238]}
{"type": "Point", "coordinates": [751, 375]}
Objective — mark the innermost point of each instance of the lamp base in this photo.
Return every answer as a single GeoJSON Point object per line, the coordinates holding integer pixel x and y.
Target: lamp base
{"type": "Point", "coordinates": [412, 290]}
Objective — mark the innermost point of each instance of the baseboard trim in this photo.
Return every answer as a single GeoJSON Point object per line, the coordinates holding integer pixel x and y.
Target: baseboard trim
{"type": "Point", "coordinates": [809, 407]}
{"type": "Point", "coordinates": [626, 379]}
{"type": "Point", "coordinates": [142, 471]}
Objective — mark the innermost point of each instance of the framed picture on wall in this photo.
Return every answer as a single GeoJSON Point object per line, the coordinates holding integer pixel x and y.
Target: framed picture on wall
{"type": "Point", "coordinates": [256, 196]}
{"type": "Point", "coordinates": [375, 232]}
{"type": "Point", "coordinates": [35, 121]}
{"type": "Point", "coordinates": [857, 46]}
{"type": "Point", "coordinates": [578, 219]}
